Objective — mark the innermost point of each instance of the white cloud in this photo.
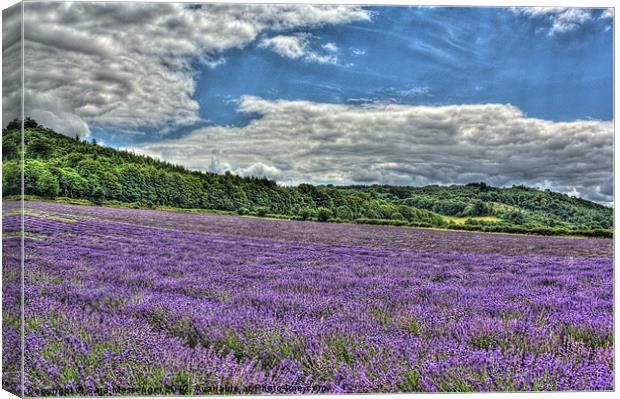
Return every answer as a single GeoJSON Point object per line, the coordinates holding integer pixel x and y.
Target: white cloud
{"type": "Point", "coordinates": [298, 47]}
{"type": "Point", "coordinates": [561, 20]}
{"type": "Point", "coordinates": [607, 14]}
{"type": "Point", "coordinates": [569, 20]}
{"type": "Point", "coordinates": [287, 46]}
{"type": "Point", "coordinates": [406, 145]}
{"type": "Point", "coordinates": [128, 65]}
{"type": "Point", "coordinates": [331, 47]}
{"type": "Point", "coordinates": [422, 91]}
{"type": "Point", "coordinates": [218, 166]}
{"type": "Point", "coordinates": [259, 169]}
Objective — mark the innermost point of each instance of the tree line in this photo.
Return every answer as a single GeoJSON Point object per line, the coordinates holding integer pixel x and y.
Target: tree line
{"type": "Point", "coordinates": [58, 166]}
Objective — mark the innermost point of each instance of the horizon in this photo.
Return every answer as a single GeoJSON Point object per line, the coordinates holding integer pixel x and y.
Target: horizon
{"type": "Point", "coordinates": [342, 95]}
{"type": "Point", "coordinates": [338, 185]}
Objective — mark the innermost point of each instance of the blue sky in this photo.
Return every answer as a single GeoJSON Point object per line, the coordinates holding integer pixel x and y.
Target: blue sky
{"type": "Point", "coordinates": [430, 56]}
{"type": "Point", "coordinates": [422, 56]}
{"type": "Point", "coordinates": [335, 94]}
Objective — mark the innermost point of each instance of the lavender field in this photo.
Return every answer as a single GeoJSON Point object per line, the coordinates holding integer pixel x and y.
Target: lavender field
{"type": "Point", "coordinates": [148, 302]}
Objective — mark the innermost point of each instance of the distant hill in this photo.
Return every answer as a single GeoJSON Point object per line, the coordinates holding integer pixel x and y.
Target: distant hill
{"type": "Point", "coordinates": [60, 166]}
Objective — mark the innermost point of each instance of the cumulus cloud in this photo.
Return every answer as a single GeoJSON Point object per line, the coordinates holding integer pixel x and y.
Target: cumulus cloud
{"type": "Point", "coordinates": [287, 46]}
{"type": "Point", "coordinates": [298, 47]}
{"type": "Point", "coordinates": [562, 20]}
{"type": "Point", "coordinates": [131, 65]}
{"type": "Point", "coordinates": [259, 169]}
{"type": "Point", "coordinates": [300, 141]}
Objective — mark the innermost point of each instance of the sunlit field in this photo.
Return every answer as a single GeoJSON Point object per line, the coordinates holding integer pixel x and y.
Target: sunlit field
{"type": "Point", "coordinates": [153, 302]}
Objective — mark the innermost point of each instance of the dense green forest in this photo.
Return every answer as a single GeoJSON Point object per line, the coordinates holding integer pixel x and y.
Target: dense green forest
{"type": "Point", "coordinates": [60, 166]}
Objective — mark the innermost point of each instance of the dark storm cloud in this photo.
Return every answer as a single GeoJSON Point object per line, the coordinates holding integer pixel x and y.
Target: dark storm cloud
{"type": "Point", "coordinates": [11, 63]}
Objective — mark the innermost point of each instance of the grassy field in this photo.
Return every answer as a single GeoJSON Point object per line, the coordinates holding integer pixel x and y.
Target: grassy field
{"type": "Point", "coordinates": [462, 220]}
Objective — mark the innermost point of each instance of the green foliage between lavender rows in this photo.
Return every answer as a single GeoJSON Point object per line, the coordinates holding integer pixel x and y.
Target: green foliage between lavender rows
{"type": "Point", "coordinates": [59, 166]}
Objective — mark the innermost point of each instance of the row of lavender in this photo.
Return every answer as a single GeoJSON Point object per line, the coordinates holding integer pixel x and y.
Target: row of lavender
{"type": "Point", "coordinates": [340, 234]}
{"type": "Point", "coordinates": [123, 308]}
{"type": "Point", "coordinates": [11, 297]}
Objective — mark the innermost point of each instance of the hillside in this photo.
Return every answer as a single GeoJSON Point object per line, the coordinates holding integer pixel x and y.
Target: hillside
{"type": "Point", "coordinates": [59, 166]}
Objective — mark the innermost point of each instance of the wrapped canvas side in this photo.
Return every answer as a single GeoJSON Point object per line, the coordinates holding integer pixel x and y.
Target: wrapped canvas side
{"type": "Point", "coordinates": [12, 203]}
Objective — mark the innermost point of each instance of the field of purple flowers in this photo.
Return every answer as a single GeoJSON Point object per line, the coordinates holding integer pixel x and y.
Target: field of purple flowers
{"type": "Point", "coordinates": [150, 302]}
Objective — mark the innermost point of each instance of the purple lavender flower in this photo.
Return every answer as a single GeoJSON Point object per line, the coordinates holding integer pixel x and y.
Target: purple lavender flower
{"type": "Point", "coordinates": [148, 302]}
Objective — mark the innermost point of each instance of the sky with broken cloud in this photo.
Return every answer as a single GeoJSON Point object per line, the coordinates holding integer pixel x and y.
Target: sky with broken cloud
{"type": "Point", "coordinates": [331, 94]}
